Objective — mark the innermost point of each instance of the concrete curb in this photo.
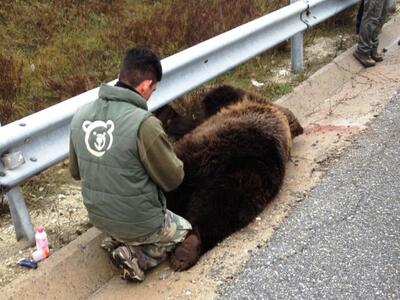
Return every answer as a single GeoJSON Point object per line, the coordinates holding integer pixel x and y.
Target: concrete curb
{"type": "Point", "coordinates": [82, 267]}
{"type": "Point", "coordinates": [324, 83]}
{"type": "Point", "coordinates": [74, 272]}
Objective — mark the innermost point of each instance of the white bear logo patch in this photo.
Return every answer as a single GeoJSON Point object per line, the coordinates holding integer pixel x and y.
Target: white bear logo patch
{"type": "Point", "coordinates": [98, 136]}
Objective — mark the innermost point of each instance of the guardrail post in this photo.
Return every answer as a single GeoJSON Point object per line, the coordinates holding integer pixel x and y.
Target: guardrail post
{"type": "Point", "coordinates": [20, 215]}
{"type": "Point", "coordinates": [297, 51]}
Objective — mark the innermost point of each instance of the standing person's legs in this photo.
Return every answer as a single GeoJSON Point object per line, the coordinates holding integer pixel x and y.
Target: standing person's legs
{"type": "Point", "coordinates": [368, 36]}
{"type": "Point", "coordinates": [136, 257]}
{"type": "Point", "coordinates": [371, 25]}
{"type": "Point", "coordinates": [359, 16]}
{"type": "Point", "coordinates": [384, 14]}
{"type": "Point", "coordinates": [375, 42]}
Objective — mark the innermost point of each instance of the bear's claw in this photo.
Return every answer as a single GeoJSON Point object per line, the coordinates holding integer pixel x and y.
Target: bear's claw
{"type": "Point", "coordinates": [186, 254]}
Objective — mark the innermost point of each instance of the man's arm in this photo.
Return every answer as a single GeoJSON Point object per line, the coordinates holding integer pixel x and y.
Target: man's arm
{"type": "Point", "coordinates": [73, 162]}
{"type": "Point", "coordinates": [157, 155]}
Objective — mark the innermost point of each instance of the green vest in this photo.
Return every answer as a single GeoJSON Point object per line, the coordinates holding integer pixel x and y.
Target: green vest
{"type": "Point", "coordinates": [120, 197]}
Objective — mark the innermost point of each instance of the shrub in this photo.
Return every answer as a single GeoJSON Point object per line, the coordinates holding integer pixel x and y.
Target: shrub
{"type": "Point", "coordinates": [10, 84]}
{"type": "Point", "coordinates": [59, 48]}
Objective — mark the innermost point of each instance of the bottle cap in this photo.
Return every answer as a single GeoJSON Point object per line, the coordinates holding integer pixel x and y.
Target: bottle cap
{"type": "Point", "coordinates": [40, 229]}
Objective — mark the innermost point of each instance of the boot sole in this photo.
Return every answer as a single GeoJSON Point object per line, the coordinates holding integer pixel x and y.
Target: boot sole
{"type": "Point", "coordinates": [366, 65]}
{"type": "Point", "coordinates": [130, 267]}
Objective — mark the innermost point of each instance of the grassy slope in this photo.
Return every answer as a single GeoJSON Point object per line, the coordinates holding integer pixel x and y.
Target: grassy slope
{"type": "Point", "coordinates": [52, 50]}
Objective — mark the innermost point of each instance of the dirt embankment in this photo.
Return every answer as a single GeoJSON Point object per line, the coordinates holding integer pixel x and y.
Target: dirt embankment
{"type": "Point", "coordinates": [54, 201]}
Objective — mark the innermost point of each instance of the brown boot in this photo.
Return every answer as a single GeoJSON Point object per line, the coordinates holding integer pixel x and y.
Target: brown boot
{"type": "Point", "coordinates": [364, 59]}
{"type": "Point", "coordinates": [376, 56]}
{"type": "Point", "coordinates": [124, 258]}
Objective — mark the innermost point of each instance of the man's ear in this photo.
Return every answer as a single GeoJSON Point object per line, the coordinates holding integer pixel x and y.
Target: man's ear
{"type": "Point", "coordinates": [148, 83]}
{"type": "Point", "coordinates": [145, 88]}
{"type": "Point", "coordinates": [142, 86]}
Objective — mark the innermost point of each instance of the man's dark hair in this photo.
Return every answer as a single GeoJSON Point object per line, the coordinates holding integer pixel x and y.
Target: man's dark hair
{"type": "Point", "coordinates": [140, 64]}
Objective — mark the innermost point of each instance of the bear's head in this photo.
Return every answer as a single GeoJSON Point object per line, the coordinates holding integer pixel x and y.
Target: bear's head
{"type": "Point", "coordinates": [98, 136]}
{"type": "Point", "coordinates": [220, 97]}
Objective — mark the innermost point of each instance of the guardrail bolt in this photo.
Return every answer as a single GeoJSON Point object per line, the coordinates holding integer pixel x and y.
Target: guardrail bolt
{"type": "Point", "coordinates": [34, 159]}
{"type": "Point", "coordinates": [22, 124]}
{"type": "Point", "coordinates": [2, 174]}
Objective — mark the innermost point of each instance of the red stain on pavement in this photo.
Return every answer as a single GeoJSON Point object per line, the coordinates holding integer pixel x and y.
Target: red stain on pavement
{"type": "Point", "coordinates": [313, 128]}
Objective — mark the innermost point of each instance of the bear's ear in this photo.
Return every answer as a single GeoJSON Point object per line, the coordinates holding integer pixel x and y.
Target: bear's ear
{"type": "Point", "coordinates": [220, 97]}
{"type": "Point", "coordinates": [85, 125]}
{"type": "Point", "coordinates": [110, 126]}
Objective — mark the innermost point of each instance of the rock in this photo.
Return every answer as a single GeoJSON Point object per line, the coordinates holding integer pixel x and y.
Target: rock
{"type": "Point", "coordinates": [164, 275]}
{"type": "Point", "coordinates": [284, 73]}
{"type": "Point", "coordinates": [257, 83]}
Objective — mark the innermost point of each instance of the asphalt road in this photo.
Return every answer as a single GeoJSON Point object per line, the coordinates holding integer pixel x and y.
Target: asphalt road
{"type": "Point", "coordinates": [343, 240]}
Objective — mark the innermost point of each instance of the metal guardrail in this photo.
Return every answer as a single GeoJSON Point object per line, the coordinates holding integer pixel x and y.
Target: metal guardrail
{"type": "Point", "coordinates": [36, 142]}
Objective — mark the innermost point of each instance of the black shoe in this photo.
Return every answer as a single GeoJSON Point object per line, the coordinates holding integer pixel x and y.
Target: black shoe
{"type": "Point", "coordinates": [124, 259]}
{"type": "Point", "coordinates": [364, 59]}
{"type": "Point", "coordinates": [376, 56]}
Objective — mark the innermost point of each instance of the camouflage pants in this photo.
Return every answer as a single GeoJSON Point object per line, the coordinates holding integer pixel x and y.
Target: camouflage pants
{"type": "Point", "coordinates": [373, 18]}
{"type": "Point", "coordinates": [153, 249]}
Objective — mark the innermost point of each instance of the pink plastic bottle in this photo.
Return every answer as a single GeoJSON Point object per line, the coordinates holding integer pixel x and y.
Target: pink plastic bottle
{"type": "Point", "coordinates": [42, 245]}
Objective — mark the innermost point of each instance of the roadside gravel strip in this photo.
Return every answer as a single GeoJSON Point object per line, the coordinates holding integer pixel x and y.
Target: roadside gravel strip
{"type": "Point", "coordinates": [343, 240]}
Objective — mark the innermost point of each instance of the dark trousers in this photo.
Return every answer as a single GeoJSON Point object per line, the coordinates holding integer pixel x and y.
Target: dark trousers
{"type": "Point", "coordinates": [374, 13]}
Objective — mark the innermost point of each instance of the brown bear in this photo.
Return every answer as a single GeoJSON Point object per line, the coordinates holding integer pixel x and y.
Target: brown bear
{"type": "Point", "coordinates": [234, 163]}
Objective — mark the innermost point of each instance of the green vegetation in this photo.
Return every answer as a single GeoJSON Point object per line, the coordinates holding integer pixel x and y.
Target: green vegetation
{"type": "Point", "coordinates": [51, 50]}
{"type": "Point", "coordinates": [279, 89]}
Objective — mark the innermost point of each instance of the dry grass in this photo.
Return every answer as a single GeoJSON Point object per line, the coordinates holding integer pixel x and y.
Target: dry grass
{"type": "Point", "coordinates": [175, 25]}
{"type": "Point", "coordinates": [10, 83]}
{"type": "Point", "coordinates": [55, 49]}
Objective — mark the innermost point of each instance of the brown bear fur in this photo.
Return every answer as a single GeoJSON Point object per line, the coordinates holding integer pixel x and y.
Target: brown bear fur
{"type": "Point", "coordinates": [234, 164]}
{"type": "Point", "coordinates": [224, 95]}
{"type": "Point", "coordinates": [175, 125]}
